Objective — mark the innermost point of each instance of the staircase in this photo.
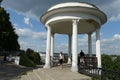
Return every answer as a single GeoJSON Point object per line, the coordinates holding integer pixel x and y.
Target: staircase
{"type": "Point", "coordinates": [55, 73]}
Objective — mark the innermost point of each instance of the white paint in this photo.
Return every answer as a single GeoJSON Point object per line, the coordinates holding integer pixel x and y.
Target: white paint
{"type": "Point", "coordinates": [73, 15]}
{"type": "Point", "coordinates": [17, 60]}
{"type": "Point", "coordinates": [69, 49]}
{"type": "Point", "coordinates": [98, 52]}
{"type": "Point", "coordinates": [71, 4]}
{"type": "Point", "coordinates": [48, 48]}
{"type": "Point", "coordinates": [52, 45]}
{"type": "Point", "coordinates": [74, 67]}
{"type": "Point", "coordinates": [86, 18]}
{"type": "Point", "coordinates": [89, 44]}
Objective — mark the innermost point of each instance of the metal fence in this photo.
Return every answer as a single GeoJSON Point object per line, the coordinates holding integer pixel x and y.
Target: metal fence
{"type": "Point", "coordinates": [89, 67]}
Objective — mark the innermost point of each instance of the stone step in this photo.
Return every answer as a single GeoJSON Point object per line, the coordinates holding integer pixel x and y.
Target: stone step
{"type": "Point", "coordinates": [54, 73]}
{"type": "Point", "coordinates": [42, 75]}
{"type": "Point", "coordinates": [32, 76]}
{"type": "Point", "coordinates": [24, 77]}
{"type": "Point", "coordinates": [62, 74]}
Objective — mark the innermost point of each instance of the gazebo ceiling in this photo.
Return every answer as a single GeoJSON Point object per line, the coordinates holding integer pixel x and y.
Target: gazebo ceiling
{"type": "Point", "coordinates": [60, 16]}
{"type": "Point", "coordinates": [65, 27]}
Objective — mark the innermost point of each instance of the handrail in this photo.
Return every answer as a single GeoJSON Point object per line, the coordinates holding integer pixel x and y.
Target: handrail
{"type": "Point", "coordinates": [89, 67]}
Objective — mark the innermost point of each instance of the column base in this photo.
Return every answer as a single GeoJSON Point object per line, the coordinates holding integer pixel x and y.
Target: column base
{"type": "Point", "coordinates": [74, 69]}
{"type": "Point", "coordinates": [46, 66]}
{"type": "Point", "coordinates": [69, 61]}
{"type": "Point", "coordinates": [99, 66]}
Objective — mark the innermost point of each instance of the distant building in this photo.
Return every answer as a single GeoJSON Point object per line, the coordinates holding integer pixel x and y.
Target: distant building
{"type": "Point", "coordinates": [55, 55]}
{"type": "Point", "coordinates": [42, 55]}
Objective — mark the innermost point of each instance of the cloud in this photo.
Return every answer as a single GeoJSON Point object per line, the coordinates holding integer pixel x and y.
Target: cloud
{"type": "Point", "coordinates": [36, 8]}
{"type": "Point", "coordinates": [108, 45]}
{"type": "Point", "coordinates": [27, 33]}
{"type": "Point", "coordinates": [112, 45]}
{"type": "Point", "coordinates": [117, 37]}
{"type": "Point", "coordinates": [31, 39]}
{"type": "Point", "coordinates": [27, 21]}
{"type": "Point", "coordinates": [112, 10]}
{"type": "Point", "coordinates": [61, 47]}
{"type": "Point", "coordinates": [115, 18]}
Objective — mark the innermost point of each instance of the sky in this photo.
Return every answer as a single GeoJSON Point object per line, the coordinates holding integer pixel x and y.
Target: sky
{"type": "Point", "coordinates": [25, 17]}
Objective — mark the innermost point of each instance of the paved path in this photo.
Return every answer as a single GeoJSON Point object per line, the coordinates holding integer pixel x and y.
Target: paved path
{"type": "Point", "coordinates": [10, 71]}
{"type": "Point", "coordinates": [55, 73]}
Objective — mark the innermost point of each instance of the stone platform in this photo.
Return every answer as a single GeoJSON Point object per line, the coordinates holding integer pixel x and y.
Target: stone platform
{"type": "Point", "coordinates": [54, 73]}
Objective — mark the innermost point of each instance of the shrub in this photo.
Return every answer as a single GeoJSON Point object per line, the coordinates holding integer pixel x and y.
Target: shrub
{"type": "Point", "coordinates": [36, 58]}
{"type": "Point", "coordinates": [25, 61]}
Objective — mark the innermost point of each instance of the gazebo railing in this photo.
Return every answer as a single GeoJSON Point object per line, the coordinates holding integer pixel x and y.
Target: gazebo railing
{"type": "Point", "coordinates": [90, 68]}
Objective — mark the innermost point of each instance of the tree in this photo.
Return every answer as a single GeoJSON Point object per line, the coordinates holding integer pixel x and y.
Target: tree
{"type": "Point", "coordinates": [107, 62]}
{"type": "Point", "coordinates": [8, 37]}
{"type": "Point", "coordinates": [111, 63]}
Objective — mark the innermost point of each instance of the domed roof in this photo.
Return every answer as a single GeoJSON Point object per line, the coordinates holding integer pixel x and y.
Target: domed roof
{"type": "Point", "coordinates": [60, 17]}
{"type": "Point", "coordinates": [72, 4]}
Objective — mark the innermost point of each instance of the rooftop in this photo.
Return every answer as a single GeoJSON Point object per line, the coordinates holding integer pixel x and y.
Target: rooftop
{"type": "Point", "coordinates": [72, 4]}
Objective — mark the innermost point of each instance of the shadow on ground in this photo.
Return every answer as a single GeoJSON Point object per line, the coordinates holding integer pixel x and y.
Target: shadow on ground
{"type": "Point", "coordinates": [10, 71]}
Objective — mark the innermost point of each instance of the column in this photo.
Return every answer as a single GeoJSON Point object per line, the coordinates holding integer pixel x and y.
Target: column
{"type": "Point", "coordinates": [48, 45]}
{"type": "Point", "coordinates": [52, 45]}
{"type": "Point", "coordinates": [69, 50]}
{"type": "Point", "coordinates": [98, 52]}
{"type": "Point", "coordinates": [89, 44]}
{"type": "Point", "coordinates": [74, 67]}
{"type": "Point", "coordinates": [52, 49]}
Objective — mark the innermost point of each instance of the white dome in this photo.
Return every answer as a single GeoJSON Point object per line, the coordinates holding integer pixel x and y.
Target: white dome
{"type": "Point", "coordinates": [72, 4]}
{"type": "Point", "coordinates": [60, 17]}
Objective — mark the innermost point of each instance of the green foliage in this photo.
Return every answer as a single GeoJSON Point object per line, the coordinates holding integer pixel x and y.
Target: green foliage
{"type": "Point", "coordinates": [34, 56]}
{"type": "Point", "coordinates": [25, 61]}
{"type": "Point", "coordinates": [116, 63]}
{"type": "Point", "coordinates": [112, 64]}
{"type": "Point", "coordinates": [107, 61]}
{"type": "Point", "coordinates": [8, 37]}
{"type": "Point", "coordinates": [30, 58]}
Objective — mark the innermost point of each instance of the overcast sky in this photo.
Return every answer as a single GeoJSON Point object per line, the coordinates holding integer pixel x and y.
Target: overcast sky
{"type": "Point", "coordinates": [25, 15]}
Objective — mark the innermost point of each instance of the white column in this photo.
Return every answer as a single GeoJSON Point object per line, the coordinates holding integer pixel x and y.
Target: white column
{"type": "Point", "coordinates": [52, 49]}
{"type": "Point", "coordinates": [89, 44]}
{"type": "Point", "coordinates": [48, 45]}
{"type": "Point", "coordinates": [69, 50]}
{"type": "Point", "coordinates": [98, 52]}
{"type": "Point", "coordinates": [74, 67]}
{"type": "Point", "coordinates": [52, 45]}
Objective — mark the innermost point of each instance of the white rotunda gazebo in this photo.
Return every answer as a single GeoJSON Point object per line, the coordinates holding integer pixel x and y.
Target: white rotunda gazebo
{"type": "Point", "coordinates": [73, 18]}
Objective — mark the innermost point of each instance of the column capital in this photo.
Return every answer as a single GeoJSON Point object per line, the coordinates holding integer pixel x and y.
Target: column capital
{"type": "Point", "coordinates": [89, 33]}
{"type": "Point", "coordinates": [69, 34]}
{"type": "Point", "coordinates": [75, 20]}
{"type": "Point", "coordinates": [98, 28]}
{"type": "Point", "coordinates": [46, 25]}
{"type": "Point", "coordinates": [53, 34]}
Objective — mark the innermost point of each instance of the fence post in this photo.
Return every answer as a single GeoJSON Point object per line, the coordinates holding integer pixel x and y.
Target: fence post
{"type": "Point", "coordinates": [102, 74]}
